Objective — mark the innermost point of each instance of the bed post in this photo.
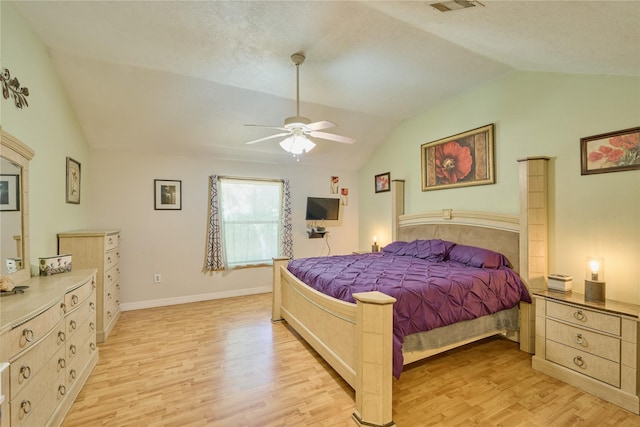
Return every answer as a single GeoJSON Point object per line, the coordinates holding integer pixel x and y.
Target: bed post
{"type": "Point", "coordinates": [533, 239]}
{"type": "Point", "coordinates": [397, 206]}
{"type": "Point", "coordinates": [276, 295]}
{"type": "Point", "coordinates": [374, 359]}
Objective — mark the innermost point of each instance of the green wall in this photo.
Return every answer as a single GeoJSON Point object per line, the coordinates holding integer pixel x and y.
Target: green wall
{"type": "Point", "coordinates": [535, 114]}
{"type": "Point", "coordinates": [49, 127]}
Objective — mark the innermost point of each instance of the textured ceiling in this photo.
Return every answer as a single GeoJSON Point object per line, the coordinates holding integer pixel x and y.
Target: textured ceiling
{"type": "Point", "coordinates": [184, 77]}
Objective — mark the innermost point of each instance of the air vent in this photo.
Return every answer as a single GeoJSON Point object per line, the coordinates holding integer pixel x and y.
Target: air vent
{"type": "Point", "coordinates": [447, 6]}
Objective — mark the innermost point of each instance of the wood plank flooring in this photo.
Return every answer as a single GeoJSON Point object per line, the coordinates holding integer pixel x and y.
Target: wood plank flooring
{"type": "Point", "coordinates": [223, 363]}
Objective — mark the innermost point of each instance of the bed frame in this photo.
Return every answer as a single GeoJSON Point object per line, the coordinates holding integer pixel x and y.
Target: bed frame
{"type": "Point", "coordinates": [356, 339]}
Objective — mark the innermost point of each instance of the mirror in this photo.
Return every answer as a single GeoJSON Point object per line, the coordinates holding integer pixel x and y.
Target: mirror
{"type": "Point", "coordinates": [14, 208]}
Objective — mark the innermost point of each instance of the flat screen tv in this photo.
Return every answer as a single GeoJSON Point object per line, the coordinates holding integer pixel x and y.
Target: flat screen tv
{"type": "Point", "coordinates": [319, 208]}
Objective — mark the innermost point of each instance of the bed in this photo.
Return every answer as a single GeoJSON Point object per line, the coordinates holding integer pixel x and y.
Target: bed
{"type": "Point", "coordinates": [357, 339]}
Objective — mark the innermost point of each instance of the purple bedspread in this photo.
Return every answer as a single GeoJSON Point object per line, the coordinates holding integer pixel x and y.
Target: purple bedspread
{"type": "Point", "coordinates": [429, 294]}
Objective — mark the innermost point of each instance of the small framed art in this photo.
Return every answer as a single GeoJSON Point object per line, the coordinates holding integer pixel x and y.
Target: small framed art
{"type": "Point", "coordinates": [73, 181]}
{"type": "Point", "coordinates": [167, 194]}
{"type": "Point", "coordinates": [610, 152]}
{"type": "Point", "coordinates": [9, 192]}
{"type": "Point", "coordinates": [382, 182]}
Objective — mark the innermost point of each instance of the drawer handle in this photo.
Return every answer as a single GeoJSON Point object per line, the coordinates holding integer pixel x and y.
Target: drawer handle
{"type": "Point", "coordinates": [108, 260]}
{"type": "Point", "coordinates": [72, 325]}
{"type": "Point", "coordinates": [92, 305]}
{"type": "Point", "coordinates": [74, 299]}
{"type": "Point", "coordinates": [92, 326]}
{"type": "Point", "coordinates": [109, 278]}
{"type": "Point", "coordinates": [61, 337]}
{"type": "Point", "coordinates": [62, 390]}
{"type": "Point", "coordinates": [92, 346]}
{"type": "Point", "coordinates": [579, 339]}
{"type": "Point", "coordinates": [579, 315]}
{"type": "Point", "coordinates": [72, 375]}
{"type": "Point", "coordinates": [109, 295]}
{"type": "Point", "coordinates": [25, 406]}
{"type": "Point", "coordinates": [111, 240]}
{"type": "Point", "coordinates": [72, 349]}
{"type": "Point", "coordinates": [25, 371]}
{"type": "Point", "coordinates": [108, 314]}
{"type": "Point", "coordinates": [63, 307]}
{"type": "Point", "coordinates": [28, 334]}
{"type": "Point", "coordinates": [93, 285]}
{"type": "Point", "coordinates": [579, 362]}
{"type": "Point", "coordinates": [62, 363]}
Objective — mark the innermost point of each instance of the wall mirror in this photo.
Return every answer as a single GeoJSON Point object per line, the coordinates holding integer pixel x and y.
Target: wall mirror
{"type": "Point", "coordinates": [14, 208]}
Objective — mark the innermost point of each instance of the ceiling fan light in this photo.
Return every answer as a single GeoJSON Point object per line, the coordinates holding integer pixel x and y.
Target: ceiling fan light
{"type": "Point", "coordinates": [297, 145]}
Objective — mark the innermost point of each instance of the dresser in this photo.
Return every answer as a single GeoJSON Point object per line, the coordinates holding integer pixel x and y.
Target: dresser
{"type": "Point", "coordinates": [48, 336]}
{"type": "Point", "coordinates": [592, 346]}
{"type": "Point", "coordinates": [98, 249]}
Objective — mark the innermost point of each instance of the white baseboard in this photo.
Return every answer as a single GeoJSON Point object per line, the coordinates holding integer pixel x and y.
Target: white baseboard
{"type": "Point", "coordinates": [192, 298]}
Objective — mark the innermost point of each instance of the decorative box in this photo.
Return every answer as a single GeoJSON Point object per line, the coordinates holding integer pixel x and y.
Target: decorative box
{"type": "Point", "coordinates": [560, 283]}
{"type": "Point", "coordinates": [55, 264]}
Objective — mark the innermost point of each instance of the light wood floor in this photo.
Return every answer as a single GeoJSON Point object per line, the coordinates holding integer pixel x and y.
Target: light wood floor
{"type": "Point", "coordinates": [223, 363]}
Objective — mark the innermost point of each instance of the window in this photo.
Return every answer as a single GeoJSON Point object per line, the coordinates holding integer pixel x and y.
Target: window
{"type": "Point", "coordinates": [249, 222]}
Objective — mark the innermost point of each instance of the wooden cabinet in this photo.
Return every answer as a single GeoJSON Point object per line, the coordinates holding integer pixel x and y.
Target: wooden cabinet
{"type": "Point", "coordinates": [48, 335]}
{"type": "Point", "coordinates": [98, 249]}
{"type": "Point", "coordinates": [591, 346]}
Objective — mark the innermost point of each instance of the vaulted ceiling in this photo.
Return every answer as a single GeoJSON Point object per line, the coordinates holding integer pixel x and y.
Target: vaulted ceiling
{"type": "Point", "coordinates": [185, 77]}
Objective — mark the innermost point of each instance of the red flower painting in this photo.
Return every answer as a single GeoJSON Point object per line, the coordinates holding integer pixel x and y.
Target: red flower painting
{"type": "Point", "coordinates": [453, 162]}
{"type": "Point", "coordinates": [619, 151]}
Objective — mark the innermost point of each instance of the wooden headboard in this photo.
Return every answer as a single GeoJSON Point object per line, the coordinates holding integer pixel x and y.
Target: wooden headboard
{"type": "Point", "coordinates": [500, 233]}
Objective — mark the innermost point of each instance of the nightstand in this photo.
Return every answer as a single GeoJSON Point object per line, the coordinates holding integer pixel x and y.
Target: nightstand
{"type": "Point", "coordinates": [592, 346]}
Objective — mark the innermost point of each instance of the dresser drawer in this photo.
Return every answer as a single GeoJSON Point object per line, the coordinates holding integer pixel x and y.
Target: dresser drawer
{"type": "Point", "coordinates": [76, 297]}
{"type": "Point", "coordinates": [34, 407]}
{"type": "Point", "coordinates": [25, 368]}
{"type": "Point", "coordinates": [584, 363]}
{"type": "Point", "coordinates": [592, 342]}
{"type": "Point", "coordinates": [584, 317]}
{"type": "Point", "coordinates": [111, 241]}
{"type": "Point", "coordinates": [24, 335]}
{"type": "Point", "coordinates": [79, 316]}
{"type": "Point", "coordinates": [111, 259]}
{"type": "Point", "coordinates": [112, 276]}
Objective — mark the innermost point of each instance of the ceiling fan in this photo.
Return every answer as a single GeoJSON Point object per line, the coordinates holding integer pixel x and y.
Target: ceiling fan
{"type": "Point", "coordinates": [298, 129]}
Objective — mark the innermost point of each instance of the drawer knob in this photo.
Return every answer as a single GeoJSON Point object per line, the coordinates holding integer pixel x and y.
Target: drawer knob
{"type": "Point", "coordinates": [111, 240]}
{"type": "Point", "coordinates": [72, 325]}
{"type": "Point", "coordinates": [579, 361]}
{"type": "Point", "coordinates": [92, 326]}
{"type": "Point", "coordinates": [61, 337]}
{"type": "Point", "coordinates": [62, 390]}
{"type": "Point", "coordinates": [92, 305]}
{"type": "Point", "coordinates": [92, 346]}
{"type": "Point", "coordinates": [62, 363]}
{"type": "Point", "coordinates": [579, 315]}
{"type": "Point", "coordinates": [28, 334]}
{"type": "Point", "coordinates": [72, 375]}
{"type": "Point", "coordinates": [72, 349]}
{"type": "Point", "coordinates": [74, 299]}
{"type": "Point", "coordinates": [579, 339]}
{"type": "Point", "coordinates": [25, 406]}
{"type": "Point", "coordinates": [63, 307]}
{"type": "Point", "coordinates": [25, 371]}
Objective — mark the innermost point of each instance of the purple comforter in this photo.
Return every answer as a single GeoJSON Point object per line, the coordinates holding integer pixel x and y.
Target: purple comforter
{"type": "Point", "coordinates": [429, 294]}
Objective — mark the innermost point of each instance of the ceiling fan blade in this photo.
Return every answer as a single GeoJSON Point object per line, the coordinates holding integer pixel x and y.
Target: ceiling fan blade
{"type": "Point", "coordinates": [332, 137]}
{"type": "Point", "coordinates": [268, 137]}
{"type": "Point", "coordinates": [320, 125]}
{"type": "Point", "coordinates": [269, 127]}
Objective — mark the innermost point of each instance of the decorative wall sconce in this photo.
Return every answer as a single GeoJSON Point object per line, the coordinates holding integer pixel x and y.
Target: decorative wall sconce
{"type": "Point", "coordinates": [11, 87]}
{"type": "Point", "coordinates": [594, 284]}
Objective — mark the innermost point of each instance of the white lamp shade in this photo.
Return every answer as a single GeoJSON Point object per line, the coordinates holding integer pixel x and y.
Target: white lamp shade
{"type": "Point", "coordinates": [297, 144]}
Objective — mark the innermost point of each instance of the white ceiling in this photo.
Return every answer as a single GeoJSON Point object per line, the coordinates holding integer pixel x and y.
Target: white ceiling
{"type": "Point", "coordinates": [185, 76]}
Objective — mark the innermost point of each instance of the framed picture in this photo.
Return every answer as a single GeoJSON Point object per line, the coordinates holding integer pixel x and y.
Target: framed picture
{"type": "Point", "coordinates": [167, 194]}
{"type": "Point", "coordinates": [383, 182]}
{"type": "Point", "coordinates": [73, 181]}
{"type": "Point", "coordinates": [459, 161]}
{"type": "Point", "coordinates": [9, 192]}
{"type": "Point", "coordinates": [610, 152]}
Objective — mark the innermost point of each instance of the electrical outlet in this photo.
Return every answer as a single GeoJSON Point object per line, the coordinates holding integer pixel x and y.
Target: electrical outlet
{"type": "Point", "coordinates": [157, 278]}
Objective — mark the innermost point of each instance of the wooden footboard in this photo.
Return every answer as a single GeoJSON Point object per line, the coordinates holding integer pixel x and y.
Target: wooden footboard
{"type": "Point", "coordinates": [355, 339]}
